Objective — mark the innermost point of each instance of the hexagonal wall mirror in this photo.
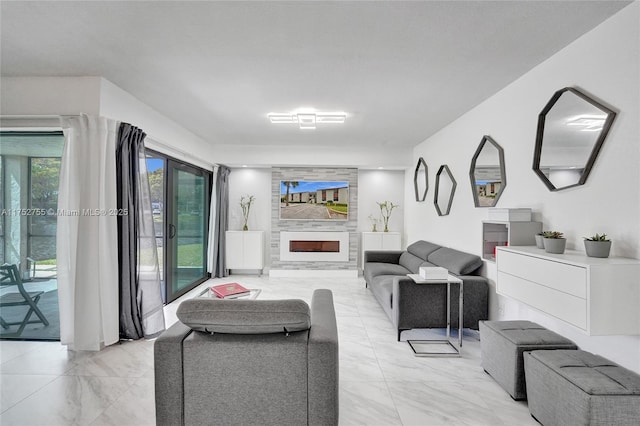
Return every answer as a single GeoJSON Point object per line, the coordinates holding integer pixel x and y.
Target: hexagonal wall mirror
{"type": "Point", "coordinates": [421, 180]}
{"type": "Point", "coordinates": [487, 173]}
{"type": "Point", "coordinates": [445, 188]}
{"type": "Point", "coordinates": [571, 130]}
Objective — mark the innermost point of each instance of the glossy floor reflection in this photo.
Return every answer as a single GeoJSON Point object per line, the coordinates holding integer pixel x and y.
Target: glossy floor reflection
{"type": "Point", "coordinates": [381, 381]}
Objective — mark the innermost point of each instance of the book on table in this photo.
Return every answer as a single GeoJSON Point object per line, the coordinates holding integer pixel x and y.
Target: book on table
{"type": "Point", "coordinates": [229, 290]}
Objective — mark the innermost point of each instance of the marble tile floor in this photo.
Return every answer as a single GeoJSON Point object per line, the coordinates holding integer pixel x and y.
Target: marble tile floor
{"type": "Point", "coordinates": [381, 381]}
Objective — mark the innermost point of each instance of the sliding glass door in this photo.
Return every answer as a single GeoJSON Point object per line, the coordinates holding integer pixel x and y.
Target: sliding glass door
{"type": "Point", "coordinates": [29, 174]}
{"type": "Point", "coordinates": [188, 188]}
{"type": "Point", "coordinates": [180, 199]}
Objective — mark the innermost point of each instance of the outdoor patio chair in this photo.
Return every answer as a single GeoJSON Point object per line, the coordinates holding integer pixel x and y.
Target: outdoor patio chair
{"type": "Point", "coordinates": [10, 276]}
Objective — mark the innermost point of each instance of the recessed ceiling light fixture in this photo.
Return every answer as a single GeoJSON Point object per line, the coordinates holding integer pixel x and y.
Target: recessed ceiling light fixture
{"type": "Point", "coordinates": [307, 119]}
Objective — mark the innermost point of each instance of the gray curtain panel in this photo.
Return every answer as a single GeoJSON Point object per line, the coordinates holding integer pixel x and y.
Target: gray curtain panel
{"type": "Point", "coordinates": [221, 222]}
{"type": "Point", "coordinates": [141, 313]}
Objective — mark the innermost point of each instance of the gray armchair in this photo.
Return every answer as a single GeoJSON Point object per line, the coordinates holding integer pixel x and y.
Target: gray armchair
{"type": "Point", "coordinates": [232, 362]}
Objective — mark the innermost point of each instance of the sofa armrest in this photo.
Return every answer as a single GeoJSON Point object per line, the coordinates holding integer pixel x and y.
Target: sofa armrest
{"type": "Point", "coordinates": [167, 354]}
{"type": "Point", "coordinates": [476, 291]}
{"type": "Point", "coordinates": [384, 256]}
{"type": "Point", "coordinates": [323, 361]}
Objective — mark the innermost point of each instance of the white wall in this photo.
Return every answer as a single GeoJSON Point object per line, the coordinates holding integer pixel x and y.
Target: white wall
{"type": "Point", "coordinates": [256, 182]}
{"type": "Point", "coordinates": [311, 156]}
{"type": "Point", "coordinates": [605, 63]}
{"type": "Point", "coordinates": [174, 139]}
{"type": "Point", "coordinates": [373, 185]}
{"type": "Point", "coordinates": [378, 186]}
{"type": "Point", "coordinates": [50, 95]}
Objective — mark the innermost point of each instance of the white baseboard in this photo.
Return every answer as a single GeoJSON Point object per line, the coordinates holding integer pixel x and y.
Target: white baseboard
{"type": "Point", "coordinates": [313, 273]}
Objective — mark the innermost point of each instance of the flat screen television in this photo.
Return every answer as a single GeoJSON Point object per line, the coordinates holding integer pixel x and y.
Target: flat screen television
{"type": "Point", "coordinates": [314, 200]}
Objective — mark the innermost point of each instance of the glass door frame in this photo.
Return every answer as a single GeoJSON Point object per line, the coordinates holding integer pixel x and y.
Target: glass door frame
{"type": "Point", "coordinates": [171, 165]}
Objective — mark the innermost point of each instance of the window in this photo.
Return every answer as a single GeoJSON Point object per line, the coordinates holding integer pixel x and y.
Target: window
{"type": "Point", "coordinates": [2, 212]}
{"type": "Point", "coordinates": [180, 199]}
{"type": "Point", "coordinates": [29, 180]}
{"type": "Point", "coordinates": [44, 175]}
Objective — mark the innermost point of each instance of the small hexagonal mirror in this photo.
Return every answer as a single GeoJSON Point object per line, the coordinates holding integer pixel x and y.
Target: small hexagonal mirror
{"type": "Point", "coordinates": [571, 130]}
{"type": "Point", "coordinates": [445, 188]}
{"type": "Point", "coordinates": [487, 173]}
{"type": "Point", "coordinates": [421, 180]}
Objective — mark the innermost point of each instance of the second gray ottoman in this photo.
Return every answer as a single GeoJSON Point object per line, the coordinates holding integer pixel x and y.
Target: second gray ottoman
{"type": "Point", "coordinates": [502, 344]}
{"type": "Point", "coordinates": [568, 388]}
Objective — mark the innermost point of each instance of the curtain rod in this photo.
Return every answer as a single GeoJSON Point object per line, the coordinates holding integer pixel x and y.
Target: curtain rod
{"type": "Point", "coordinates": [53, 122]}
{"type": "Point", "coordinates": [153, 141]}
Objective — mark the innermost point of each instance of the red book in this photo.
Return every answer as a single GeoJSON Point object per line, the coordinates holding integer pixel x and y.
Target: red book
{"type": "Point", "coordinates": [229, 290]}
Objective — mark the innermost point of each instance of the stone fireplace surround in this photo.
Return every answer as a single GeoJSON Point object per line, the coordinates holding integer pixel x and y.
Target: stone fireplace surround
{"type": "Point", "coordinates": [344, 266]}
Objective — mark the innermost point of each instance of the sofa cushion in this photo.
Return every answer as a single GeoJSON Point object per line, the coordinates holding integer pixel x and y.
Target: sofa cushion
{"type": "Point", "coordinates": [384, 287]}
{"type": "Point", "coordinates": [457, 262]}
{"type": "Point", "coordinates": [422, 249]}
{"type": "Point", "coordinates": [244, 316]}
{"type": "Point", "coordinates": [410, 262]}
{"type": "Point", "coordinates": [373, 269]}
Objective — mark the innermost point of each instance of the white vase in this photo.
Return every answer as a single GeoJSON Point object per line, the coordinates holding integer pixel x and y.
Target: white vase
{"type": "Point", "coordinates": [555, 245]}
{"type": "Point", "coordinates": [597, 248]}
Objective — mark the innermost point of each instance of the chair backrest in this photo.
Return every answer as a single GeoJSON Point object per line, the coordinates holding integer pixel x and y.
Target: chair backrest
{"type": "Point", "coordinates": [9, 275]}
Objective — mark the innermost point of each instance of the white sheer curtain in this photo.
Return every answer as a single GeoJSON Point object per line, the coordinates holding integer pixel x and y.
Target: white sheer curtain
{"type": "Point", "coordinates": [87, 241]}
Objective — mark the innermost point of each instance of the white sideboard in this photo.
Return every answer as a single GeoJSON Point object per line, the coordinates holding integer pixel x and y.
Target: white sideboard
{"type": "Point", "coordinates": [598, 296]}
{"type": "Point", "coordinates": [245, 250]}
{"type": "Point", "coordinates": [380, 241]}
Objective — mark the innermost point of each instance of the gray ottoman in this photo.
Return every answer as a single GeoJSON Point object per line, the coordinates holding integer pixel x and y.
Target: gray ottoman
{"type": "Point", "coordinates": [580, 388]}
{"type": "Point", "coordinates": [502, 344]}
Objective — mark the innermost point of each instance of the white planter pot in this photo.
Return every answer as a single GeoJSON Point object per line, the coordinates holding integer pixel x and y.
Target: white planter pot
{"type": "Point", "coordinates": [597, 248]}
{"type": "Point", "coordinates": [555, 245]}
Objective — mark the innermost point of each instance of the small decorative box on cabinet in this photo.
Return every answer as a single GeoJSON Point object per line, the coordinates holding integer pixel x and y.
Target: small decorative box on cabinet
{"type": "Point", "coordinates": [245, 250]}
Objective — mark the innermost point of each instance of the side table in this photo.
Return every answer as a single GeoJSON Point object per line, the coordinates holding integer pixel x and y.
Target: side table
{"type": "Point", "coordinates": [422, 347]}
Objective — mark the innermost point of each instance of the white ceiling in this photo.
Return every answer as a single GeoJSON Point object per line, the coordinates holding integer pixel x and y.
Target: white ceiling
{"type": "Point", "coordinates": [401, 70]}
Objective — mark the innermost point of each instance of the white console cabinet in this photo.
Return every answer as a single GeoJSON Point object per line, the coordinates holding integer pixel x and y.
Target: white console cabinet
{"type": "Point", "coordinates": [245, 250]}
{"type": "Point", "coordinates": [598, 296]}
{"type": "Point", "coordinates": [380, 241]}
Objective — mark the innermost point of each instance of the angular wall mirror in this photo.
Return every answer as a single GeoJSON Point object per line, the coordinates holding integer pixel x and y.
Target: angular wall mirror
{"type": "Point", "coordinates": [487, 173]}
{"type": "Point", "coordinates": [445, 188]}
{"type": "Point", "coordinates": [421, 180]}
{"type": "Point", "coordinates": [571, 130]}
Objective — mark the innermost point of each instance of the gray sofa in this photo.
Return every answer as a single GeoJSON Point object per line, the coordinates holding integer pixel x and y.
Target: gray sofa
{"type": "Point", "coordinates": [249, 362]}
{"type": "Point", "coordinates": [410, 305]}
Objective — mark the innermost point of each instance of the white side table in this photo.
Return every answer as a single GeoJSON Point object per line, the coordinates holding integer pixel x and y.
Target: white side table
{"type": "Point", "coordinates": [422, 347]}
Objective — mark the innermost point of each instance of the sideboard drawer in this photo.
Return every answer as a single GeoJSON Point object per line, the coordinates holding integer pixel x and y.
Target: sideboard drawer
{"type": "Point", "coordinates": [561, 305]}
{"type": "Point", "coordinates": [560, 276]}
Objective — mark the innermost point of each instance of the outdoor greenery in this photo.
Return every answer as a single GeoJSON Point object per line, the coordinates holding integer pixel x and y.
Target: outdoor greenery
{"type": "Point", "coordinates": [340, 208]}
{"type": "Point", "coordinates": [156, 185]}
{"type": "Point", "coordinates": [45, 175]}
{"type": "Point", "coordinates": [289, 184]}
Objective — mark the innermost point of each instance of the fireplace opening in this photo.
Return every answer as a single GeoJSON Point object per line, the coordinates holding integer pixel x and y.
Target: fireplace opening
{"type": "Point", "coordinates": [297, 246]}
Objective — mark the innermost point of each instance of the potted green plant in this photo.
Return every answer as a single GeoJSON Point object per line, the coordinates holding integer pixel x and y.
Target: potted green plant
{"type": "Point", "coordinates": [386, 207]}
{"type": "Point", "coordinates": [374, 223]}
{"type": "Point", "coordinates": [245, 203]}
{"type": "Point", "coordinates": [554, 242]}
{"type": "Point", "coordinates": [597, 246]}
{"type": "Point", "coordinates": [540, 240]}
